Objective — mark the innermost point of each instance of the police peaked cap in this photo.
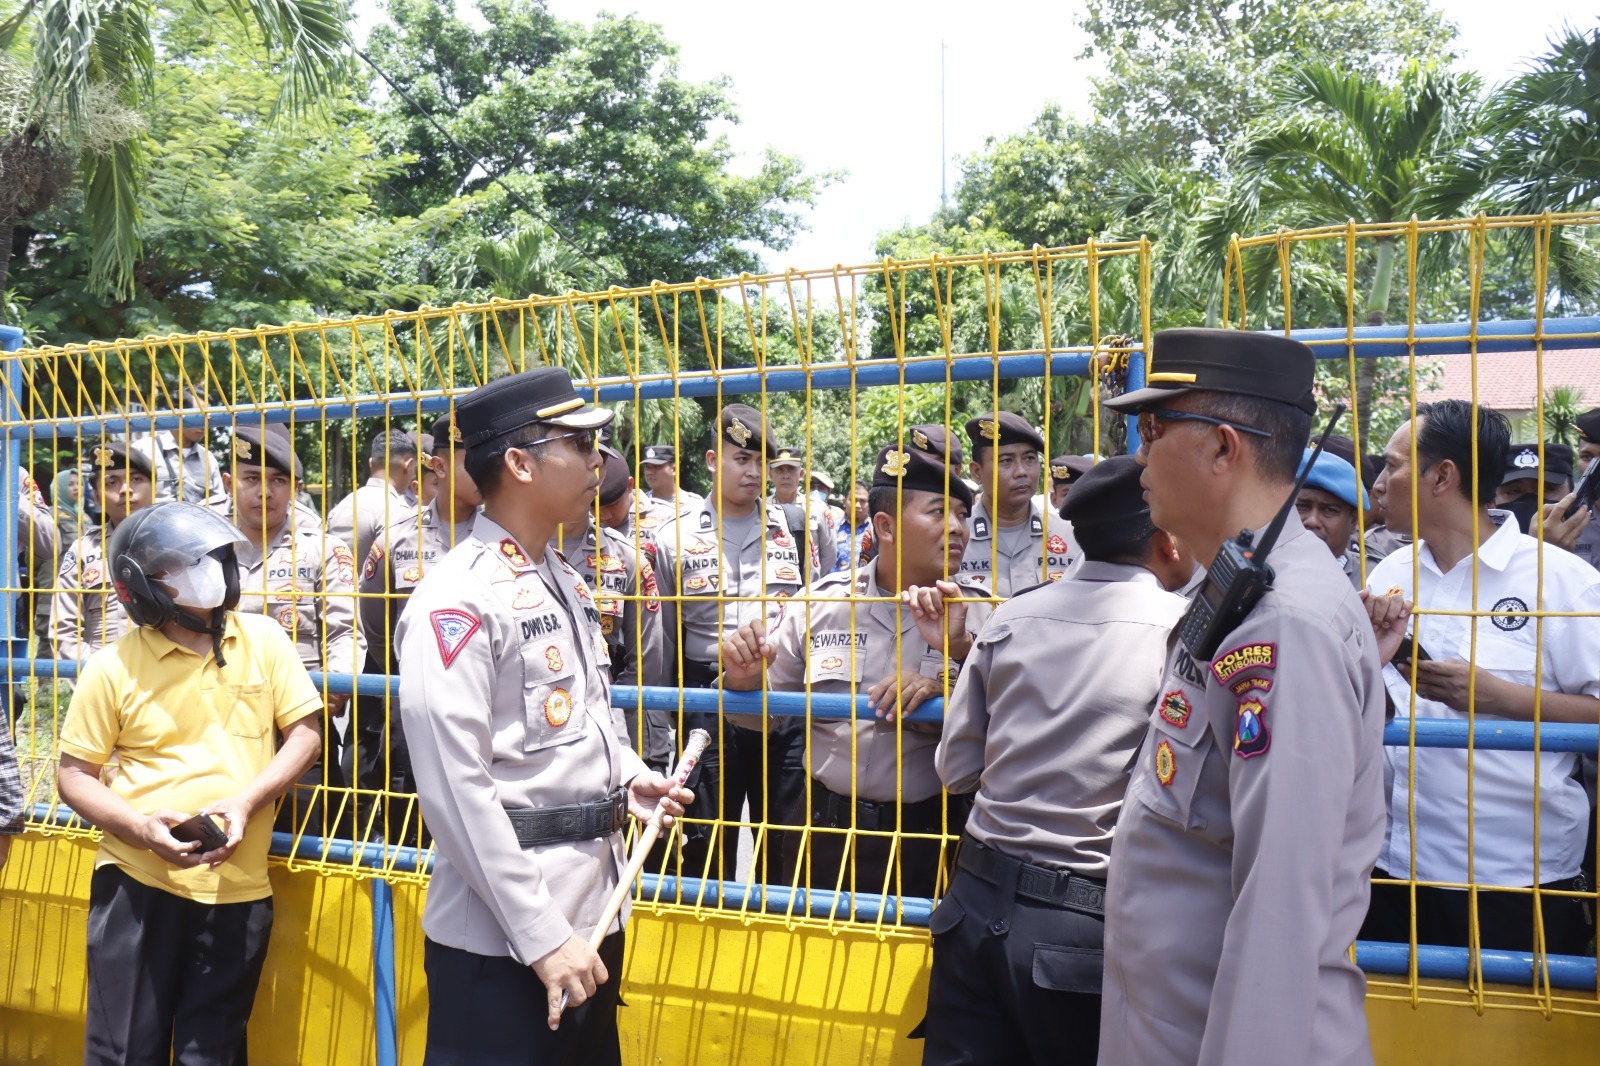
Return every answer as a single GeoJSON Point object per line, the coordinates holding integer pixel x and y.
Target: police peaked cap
{"type": "Point", "coordinates": [1108, 495]}
{"type": "Point", "coordinates": [659, 455]}
{"type": "Point", "coordinates": [1265, 365]}
{"type": "Point", "coordinates": [504, 405]}
{"type": "Point", "coordinates": [912, 468]}
{"type": "Point", "coordinates": [744, 427]}
{"type": "Point", "coordinates": [1000, 428]}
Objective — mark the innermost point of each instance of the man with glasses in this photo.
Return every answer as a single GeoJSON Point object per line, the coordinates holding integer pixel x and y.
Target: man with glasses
{"type": "Point", "coordinates": [1014, 541]}
{"type": "Point", "coordinates": [1254, 810]}
{"type": "Point", "coordinates": [521, 763]}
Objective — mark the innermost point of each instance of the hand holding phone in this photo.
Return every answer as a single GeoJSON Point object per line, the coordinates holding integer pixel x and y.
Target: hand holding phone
{"type": "Point", "coordinates": [1409, 649]}
{"type": "Point", "coordinates": [205, 829]}
{"type": "Point", "coordinates": [1586, 492]}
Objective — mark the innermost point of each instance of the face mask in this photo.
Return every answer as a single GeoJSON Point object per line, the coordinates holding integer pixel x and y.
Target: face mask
{"type": "Point", "coordinates": [201, 586]}
{"type": "Point", "coordinates": [1526, 508]}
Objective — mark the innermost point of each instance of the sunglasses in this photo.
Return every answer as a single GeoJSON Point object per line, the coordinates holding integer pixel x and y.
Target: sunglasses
{"type": "Point", "coordinates": [587, 439]}
{"type": "Point", "coordinates": [1153, 418]}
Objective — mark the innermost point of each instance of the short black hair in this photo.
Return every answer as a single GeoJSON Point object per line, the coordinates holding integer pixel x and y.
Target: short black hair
{"type": "Point", "coordinates": [1277, 455]}
{"type": "Point", "coordinates": [1343, 447]}
{"type": "Point", "coordinates": [884, 499]}
{"type": "Point", "coordinates": [1444, 431]}
{"type": "Point", "coordinates": [1116, 542]}
{"type": "Point", "coordinates": [486, 462]}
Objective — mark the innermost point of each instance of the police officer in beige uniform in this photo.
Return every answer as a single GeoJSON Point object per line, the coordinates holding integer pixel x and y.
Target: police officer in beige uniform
{"type": "Point", "coordinates": [522, 765]}
{"type": "Point", "coordinates": [389, 493]}
{"type": "Point", "coordinates": [786, 469]}
{"type": "Point", "coordinates": [1017, 940]}
{"type": "Point", "coordinates": [85, 614]}
{"type": "Point", "coordinates": [1014, 542]}
{"type": "Point", "coordinates": [728, 562]}
{"type": "Point", "coordinates": [401, 554]}
{"type": "Point", "coordinates": [628, 599]}
{"type": "Point", "coordinates": [1255, 809]}
{"type": "Point", "coordinates": [303, 578]}
{"type": "Point", "coordinates": [876, 774]}
{"type": "Point", "coordinates": [659, 468]}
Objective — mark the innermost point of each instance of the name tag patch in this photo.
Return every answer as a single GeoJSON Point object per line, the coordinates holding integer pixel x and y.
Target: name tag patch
{"type": "Point", "coordinates": [1242, 658]}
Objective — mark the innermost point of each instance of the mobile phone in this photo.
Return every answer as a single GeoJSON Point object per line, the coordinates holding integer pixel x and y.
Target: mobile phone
{"type": "Point", "coordinates": [1410, 649]}
{"type": "Point", "coordinates": [1588, 488]}
{"type": "Point", "coordinates": [204, 828]}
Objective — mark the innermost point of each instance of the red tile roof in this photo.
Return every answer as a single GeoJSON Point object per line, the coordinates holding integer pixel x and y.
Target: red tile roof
{"type": "Point", "coordinates": [1506, 380]}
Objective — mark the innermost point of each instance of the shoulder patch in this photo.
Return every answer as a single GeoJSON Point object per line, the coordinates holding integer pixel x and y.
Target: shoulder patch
{"type": "Point", "coordinates": [452, 629]}
{"type": "Point", "coordinates": [1242, 658]}
{"type": "Point", "coordinates": [652, 591]}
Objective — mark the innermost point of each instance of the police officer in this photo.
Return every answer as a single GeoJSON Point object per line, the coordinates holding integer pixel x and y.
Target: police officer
{"type": "Point", "coordinates": [522, 765]}
{"type": "Point", "coordinates": [851, 636]}
{"type": "Point", "coordinates": [785, 470]}
{"type": "Point", "coordinates": [85, 614]}
{"type": "Point", "coordinates": [1014, 542]}
{"type": "Point", "coordinates": [184, 469]}
{"type": "Point", "coordinates": [1329, 505]}
{"type": "Point", "coordinates": [389, 492]}
{"type": "Point", "coordinates": [635, 515]}
{"type": "Point", "coordinates": [401, 554]}
{"type": "Point", "coordinates": [1255, 810]}
{"type": "Point", "coordinates": [728, 562]}
{"type": "Point", "coordinates": [628, 598]}
{"type": "Point", "coordinates": [660, 472]}
{"type": "Point", "coordinates": [1018, 938]}
{"type": "Point", "coordinates": [303, 578]}
{"type": "Point", "coordinates": [1065, 470]}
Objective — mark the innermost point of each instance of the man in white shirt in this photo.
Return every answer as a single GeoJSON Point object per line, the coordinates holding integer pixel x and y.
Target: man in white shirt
{"type": "Point", "coordinates": [1498, 665]}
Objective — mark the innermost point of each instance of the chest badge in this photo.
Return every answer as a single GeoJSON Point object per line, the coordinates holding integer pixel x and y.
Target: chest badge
{"type": "Point", "coordinates": [552, 658]}
{"type": "Point", "coordinates": [1166, 765]}
{"type": "Point", "coordinates": [527, 598]}
{"type": "Point", "coordinates": [1175, 708]}
{"type": "Point", "coordinates": [832, 662]}
{"type": "Point", "coordinates": [558, 707]}
{"type": "Point", "coordinates": [1057, 544]}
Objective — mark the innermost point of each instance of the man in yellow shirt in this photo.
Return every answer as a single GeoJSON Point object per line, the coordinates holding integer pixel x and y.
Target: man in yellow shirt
{"type": "Point", "coordinates": [192, 704]}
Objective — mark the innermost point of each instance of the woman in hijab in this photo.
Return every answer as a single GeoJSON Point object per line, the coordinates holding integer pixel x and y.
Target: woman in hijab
{"type": "Point", "coordinates": [66, 498]}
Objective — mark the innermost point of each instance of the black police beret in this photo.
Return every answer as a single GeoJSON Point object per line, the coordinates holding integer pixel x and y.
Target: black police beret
{"type": "Point", "coordinates": [445, 431]}
{"type": "Point", "coordinates": [1067, 469]}
{"type": "Point", "coordinates": [912, 468]}
{"type": "Point", "coordinates": [1108, 495]}
{"type": "Point", "coordinates": [744, 427]}
{"type": "Point", "coordinates": [939, 442]}
{"type": "Point", "coordinates": [1522, 460]}
{"type": "Point", "coordinates": [115, 453]}
{"type": "Point", "coordinates": [1242, 362]}
{"type": "Point", "coordinates": [1588, 425]}
{"type": "Point", "coordinates": [543, 394]}
{"type": "Point", "coordinates": [268, 444]}
{"type": "Point", "coordinates": [613, 475]}
{"type": "Point", "coordinates": [1004, 427]}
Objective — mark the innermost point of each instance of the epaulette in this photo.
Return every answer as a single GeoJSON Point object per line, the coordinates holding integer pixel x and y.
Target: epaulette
{"type": "Point", "coordinates": [1031, 588]}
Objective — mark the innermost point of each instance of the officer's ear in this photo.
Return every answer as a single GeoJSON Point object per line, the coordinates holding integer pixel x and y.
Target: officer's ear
{"type": "Point", "coordinates": [227, 482]}
{"type": "Point", "coordinates": [711, 461]}
{"type": "Point", "coordinates": [883, 528]}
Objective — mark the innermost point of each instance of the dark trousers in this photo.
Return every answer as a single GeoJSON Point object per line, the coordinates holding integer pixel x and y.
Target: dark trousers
{"type": "Point", "coordinates": [489, 1010]}
{"type": "Point", "coordinates": [1505, 919]}
{"type": "Point", "coordinates": [1013, 981]}
{"type": "Point", "coordinates": [170, 980]}
{"type": "Point", "coordinates": [829, 852]}
{"type": "Point", "coordinates": [765, 769]}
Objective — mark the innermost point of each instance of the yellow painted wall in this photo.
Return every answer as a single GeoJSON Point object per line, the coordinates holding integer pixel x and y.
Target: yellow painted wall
{"type": "Point", "coordinates": [710, 991]}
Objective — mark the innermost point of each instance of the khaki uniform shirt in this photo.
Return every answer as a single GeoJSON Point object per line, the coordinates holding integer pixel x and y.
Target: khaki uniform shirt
{"type": "Point", "coordinates": [844, 645]}
{"type": "Point", "coordinates": [188, 474]}
{"type": "Point", "coordinates": [85, 614]}
{"type": "Point", "coordinates": [416, 543]}
{"type": "Point", "coordinates": [819, 532]}
{"type": "Point", "coordinates": [306, 580]}
{"type": "Point", "coordinates": [1253, 817]}
{"type": "Point", "coordinates": [1049, 554]}
{"type": "Point", "coordinates": [1051, 705]}
{"type": "Point", "coordinates": [358, 517]}
{"type": "Point", "coordinates": [651, 515]}
{"type": "Point", "coordinates": [628, 598]}
{"type": "Point", "coordinates": [683, 502]}
{"type": "Point", "coordinates": [506, 703]}
{"type": "Point", "coordinates": [38, 541]}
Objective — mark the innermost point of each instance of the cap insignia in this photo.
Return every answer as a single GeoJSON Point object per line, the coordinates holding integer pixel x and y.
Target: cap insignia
{"type": "Point", "coordinates": [241, 447]}
{"type": "Point", "coordinates": [894, 464]}
{"type": "Point", "coordinates": [104, 456]}
{"type": "Point", "coordinates": [739, 432]}
{"type": "Point", "coordinates": [1526, 459]}
{"type": "Point", "coordinates": [989, 429]}
{"type": "Point", "coordinates": [1061, 473]}
{"type": "Point", "coordinates": [920, 439]}
{"type": "Point", "coordinates": [455, 433]}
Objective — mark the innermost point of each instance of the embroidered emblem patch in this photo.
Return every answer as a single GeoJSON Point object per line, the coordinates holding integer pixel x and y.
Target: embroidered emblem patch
{"type": "Point", "coordinates": [552, 657]}
{"type": "Point", "coordinates": [583, 591]}
{"type": "Point", "coordinates": [558, 707]}
{"type": "Point", "coordinates": [696, 583]}
{"type": "Point", "coordinates": [894, 464]}
{"type": "Point", "coordinates": [738, 432]}
{"type": "Point", "coordinates": [706, 521]}
{"type": "Point", "coordinates": [1250, 734]}
{"type": "Point", "coordinates": [786, 573]}
{"type": "Point", "coordinates": [607, 624]}
{"type": "Point", "coordinates": [1175, 708]}
{"type": "Point", "coordinates": [287, 618]}
{"type": "Point", "coordinates": [652, 591]}
{"type": "Point", "coordinates": [1057, 544]}
{"type": "Point", "coordinates": [782, 539]}
{"type": "Point", "coordinates": [452, 629]}
{"type": "Point", "coordinates": [699, 549]}
{"type": "Point", "coordinates": [374, 560]}
{"type": "Point", "coordinates": [611, 564]}
{"type": "Point", "coordinates": [1229, 663]}
{"type": "Point", "coordinates": [527, 598]}
{"type": "Point", "coordinates": [413, 573]}
{"type": "Point", "coordinates": [649, 521]}
{"type": "Point", "coordinates": [1166, 765]}
{"type": "Point", "coordinates": [832, 662]}
{"type": "Point", "coordinates": [91, 576]}
{"type": "Point", "coordinates": [1251, 684]}
{"type": "Point", "coordinates": [1510, 625]}
{"type": "Point", "coordinates": [513, 553]}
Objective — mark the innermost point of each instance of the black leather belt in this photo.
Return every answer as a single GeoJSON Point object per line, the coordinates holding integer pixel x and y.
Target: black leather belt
{"type": "Point", "coordinates": [536, 826]}
{"type": "Point", "coordinates": [1057, 888]}
{"type": "Point", "coordinates": [697, 674]}
{"type": "Point", "coordinates": [832, 810]}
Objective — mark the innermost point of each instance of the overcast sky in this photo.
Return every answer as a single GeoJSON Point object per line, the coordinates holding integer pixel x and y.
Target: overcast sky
{"type": "Point", "coordinates": [854, 86]}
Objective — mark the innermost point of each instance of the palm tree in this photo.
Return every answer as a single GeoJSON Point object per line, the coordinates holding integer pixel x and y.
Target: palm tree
{"type": "Point", "coordinates": [1334, 146]}
{"type": "Point", "coordinates": [88, 52]}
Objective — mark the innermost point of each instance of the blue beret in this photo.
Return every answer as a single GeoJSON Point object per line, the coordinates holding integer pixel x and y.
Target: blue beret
{"type": "Point", "coordinates": [1336, 477]}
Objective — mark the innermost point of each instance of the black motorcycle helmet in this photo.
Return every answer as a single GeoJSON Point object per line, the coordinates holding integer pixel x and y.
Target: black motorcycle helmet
{"type": "Point", "coordinates": [165, 537]}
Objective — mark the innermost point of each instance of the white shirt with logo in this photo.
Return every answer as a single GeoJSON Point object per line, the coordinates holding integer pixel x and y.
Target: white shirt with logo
{"type": "Point", "coordinates": [1564, 657]}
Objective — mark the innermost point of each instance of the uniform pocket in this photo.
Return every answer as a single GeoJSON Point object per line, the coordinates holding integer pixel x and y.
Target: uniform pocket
{"type": "Point", "coordinates": [550, 695]}
{"type": "Point", "coordinates": [1168, 768]}
{"type": "Point", "coordinates": [946, 916]}
{"type": "Point", "coordinates": [1066, 969]}
{"type": "Point", "coordinates": [248, 710]}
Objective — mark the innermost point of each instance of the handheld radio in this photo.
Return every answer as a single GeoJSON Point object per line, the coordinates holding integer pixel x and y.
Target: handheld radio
{"type": "Point", "coordinates": [1239, 576]}
{"type": "Point", "coordinates": [1587, 491]}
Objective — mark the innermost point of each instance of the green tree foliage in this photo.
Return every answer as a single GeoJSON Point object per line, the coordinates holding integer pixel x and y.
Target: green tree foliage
{"type": "Point", "coordinates": [593, 126]}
